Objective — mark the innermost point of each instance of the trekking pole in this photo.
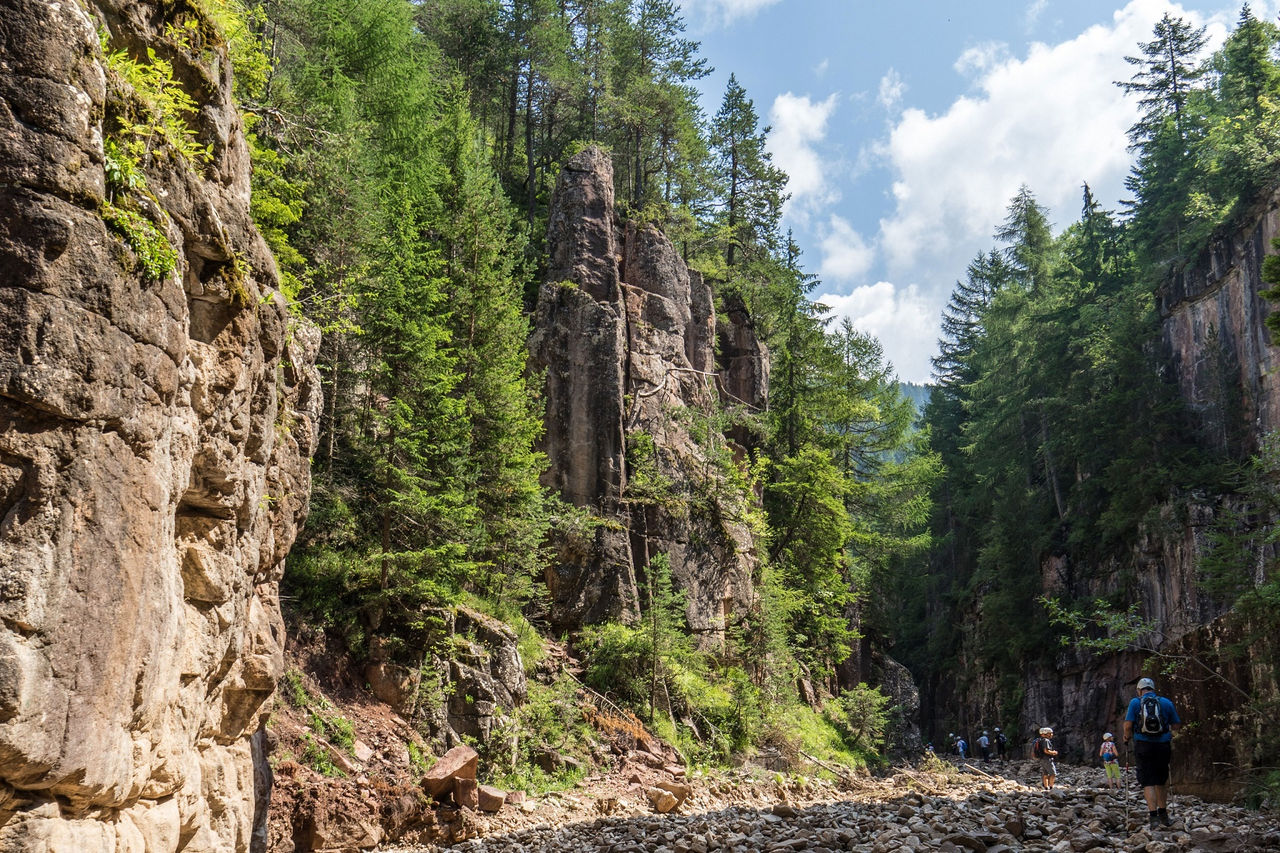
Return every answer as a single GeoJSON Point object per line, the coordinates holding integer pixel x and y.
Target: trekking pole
{"type": "Point", "coordinates": [1124, 792]}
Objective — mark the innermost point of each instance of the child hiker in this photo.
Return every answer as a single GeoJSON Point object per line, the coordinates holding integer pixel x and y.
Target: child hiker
{"type": "Point", "coordinates": [1110, 760]}
{"type": "Point", "coordinates": [1043, 751]}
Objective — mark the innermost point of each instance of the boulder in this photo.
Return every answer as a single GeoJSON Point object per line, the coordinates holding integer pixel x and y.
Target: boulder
{"type": "Point", "coordinates": [663, 801]}
{"type": "Point", "coordinates": [491, 799]}
{"type": "Point", "coordinates": [458, 763]}
{"type": "Point", "coordinates": [466, 793]}
{"type": "Point", "coordinates": [679, 790]}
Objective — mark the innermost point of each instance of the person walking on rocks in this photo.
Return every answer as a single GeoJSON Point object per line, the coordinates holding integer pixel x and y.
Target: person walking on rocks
{"type": "Point", "coordinates": [1110, 760]}
{"type": "Point", "coordinates": [1149, 722]}
{"type": "Point", "coordinates": [961, 747]}
{"type": "Point", "coordinates": [1001, 742]}
{"type": "Point", "coordinates": [984, 746]}
{"type": "Point", "coordinates": [1042, 750]}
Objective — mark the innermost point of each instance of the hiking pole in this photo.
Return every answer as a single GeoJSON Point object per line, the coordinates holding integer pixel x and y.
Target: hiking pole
{"type": "Point", "coordinates": [1124, 792]}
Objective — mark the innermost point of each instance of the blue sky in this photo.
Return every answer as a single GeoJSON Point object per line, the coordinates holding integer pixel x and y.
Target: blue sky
{"type": "Point", "coordinates": [906, 127]}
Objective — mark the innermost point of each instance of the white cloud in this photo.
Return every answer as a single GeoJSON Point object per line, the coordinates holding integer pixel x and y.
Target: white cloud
{"type": "Point", "coordinates": [892, 88]}
{"type": "Point", "coordinates": [713, 13]}
{"type": "Point", "coordinates": [845, 254]}
{"type": "Point", "coordinates": [980, 57]}
{"type": "Point", "coordinates": [1034, 11]}
{"type": "Point", "coordinates": [799, 124]}
{"type": "Point", "coordinates": [1052, 120]}
{"type": "Point", "coordinates": [903, 318]}
{"type": "Point", "coordinates": [820, 70]}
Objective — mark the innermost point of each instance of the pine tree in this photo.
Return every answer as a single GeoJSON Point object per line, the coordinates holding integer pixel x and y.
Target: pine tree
{"type": "Point", "coordinates": [751, 188]}
{"type": "Point", "coordinates": [1167, 72]}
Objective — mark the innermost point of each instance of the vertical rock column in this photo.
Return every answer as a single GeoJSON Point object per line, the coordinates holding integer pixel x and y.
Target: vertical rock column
{"type": "Point", "coordinates": [580, 340]}
{"type": "Point", "coordinates": [154, 444]}
{"type": "Point", "coordinates": [626, 333]}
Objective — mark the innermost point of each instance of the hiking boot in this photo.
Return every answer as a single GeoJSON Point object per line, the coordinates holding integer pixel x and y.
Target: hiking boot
{"type": "Point", "coordinates": [1153, 820]}
{"type": "Point", "coordinates": [1163, 816]}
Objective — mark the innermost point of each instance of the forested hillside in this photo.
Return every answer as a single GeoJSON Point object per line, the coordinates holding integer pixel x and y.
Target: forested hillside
{"type": "Point", "coordinates": [405, 157]}
{"type": "Point", "coordinates": [406, 154]}
{"type": "Point", "coordinates": [1072, 446]}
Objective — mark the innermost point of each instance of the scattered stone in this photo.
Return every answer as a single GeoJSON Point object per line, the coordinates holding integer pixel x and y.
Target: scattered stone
{"type": "Point", "coordinates": [922, 812]}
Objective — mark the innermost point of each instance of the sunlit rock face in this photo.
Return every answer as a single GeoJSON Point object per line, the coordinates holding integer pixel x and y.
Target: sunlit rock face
{"type": "Point", "coordinates": [626, 335]}
{"type": "Point", "coordinates": [1219, 349]}
{"type": "Point", "coordinates": [155, 432]}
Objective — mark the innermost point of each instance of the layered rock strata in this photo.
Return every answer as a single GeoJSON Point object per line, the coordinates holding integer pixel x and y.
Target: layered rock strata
{"type": "Point", "coordinates": [155, 429]}
{"type": "Point", "coordinates": [626, 335]}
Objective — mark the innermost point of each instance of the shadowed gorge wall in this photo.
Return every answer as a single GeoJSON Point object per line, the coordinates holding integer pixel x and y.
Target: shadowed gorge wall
{"type": "Point", "coordinates": [155, 431]}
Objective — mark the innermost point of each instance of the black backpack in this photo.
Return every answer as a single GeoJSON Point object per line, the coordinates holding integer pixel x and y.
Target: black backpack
{"type": "Point", "coordinates": [1151, 719]}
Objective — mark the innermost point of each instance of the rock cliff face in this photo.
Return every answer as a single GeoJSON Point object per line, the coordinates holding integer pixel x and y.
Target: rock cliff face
{"type": "Point", "coordinates": [1213, 331]}
{"type": "Point", "coordinates": [1221, 356]}
{"type": "Point", "coordinates": [154, 440]}
{"type": "Point", "coordinates": [626, 334]}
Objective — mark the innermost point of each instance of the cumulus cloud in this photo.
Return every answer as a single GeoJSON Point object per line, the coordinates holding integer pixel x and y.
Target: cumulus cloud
{"type": "Point", "coordinates": [905, 320]}
{"type": "Point", "coordinates": [799, 124]}
{"type": "Point", "coordinates": [1052, 120]}
{"type": "Point", "coordinates": [713, 13]}
{"type": "Point", "coordinates": [845, 253]}
{"type": "Point", "coordinates": [892, 88]}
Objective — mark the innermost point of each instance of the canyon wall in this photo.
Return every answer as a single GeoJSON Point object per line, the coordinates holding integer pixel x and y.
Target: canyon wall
{"type": "Point", "coordinates": [1227, 371]}
{"type": "Point", "coordinates": [626, 336]}
{"type": "Point", "coordinates": [155, 430]}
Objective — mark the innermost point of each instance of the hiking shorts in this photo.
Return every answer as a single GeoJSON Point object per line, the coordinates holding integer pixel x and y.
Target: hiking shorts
{"type": "Point", "coordinates": [1152, 760]}
{"type": "Point", "coordinates": [1046, 767]}
{"type": "Point", "coordinates": [1113, 769]}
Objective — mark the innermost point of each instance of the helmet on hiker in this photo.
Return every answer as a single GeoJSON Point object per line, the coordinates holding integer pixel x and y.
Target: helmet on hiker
{"type": "Point", "coordinates": [1146, 684]}
{"type": "Point", "coordinates": [984, 731]}
{"type": "Point", "coordinates": [1045, 731]}
{"type": "Point", "coordinates": [1108, 736]}
{"type": "Point", "coordinates": [997, 728]}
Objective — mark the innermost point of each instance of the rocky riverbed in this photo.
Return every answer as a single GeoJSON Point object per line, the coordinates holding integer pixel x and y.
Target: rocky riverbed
{"type": "Point", "coordinates": [988, 808]}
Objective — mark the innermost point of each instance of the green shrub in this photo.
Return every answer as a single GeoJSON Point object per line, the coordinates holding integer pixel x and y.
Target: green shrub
{"type": "Point", "coordinates": [617, 662]}
{"type": "Point", "coordinates": [154, 252]}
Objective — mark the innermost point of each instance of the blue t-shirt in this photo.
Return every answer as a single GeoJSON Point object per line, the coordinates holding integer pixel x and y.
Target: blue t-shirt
{"type": "Point", "coordinates": [1166, 708]}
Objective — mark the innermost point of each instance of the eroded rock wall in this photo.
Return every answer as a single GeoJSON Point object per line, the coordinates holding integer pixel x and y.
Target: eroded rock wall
{"type": "Point", "coordinates": [1227, 372]}
{"type": "Point", "coordinates": [154, 444]}
{"type": "Point", "coordinates": [1227, 369]}
{"type": "Point", "coordinates": [626, 334]}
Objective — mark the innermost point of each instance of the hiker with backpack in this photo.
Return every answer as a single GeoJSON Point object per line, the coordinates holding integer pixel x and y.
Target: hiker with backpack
{"type": "Point", "coordinates": [1150, 722]}
{"type": "Point", "coordinates": [1042, 750]}
{"type": "Point", "coordinates": [984, 746]}
{"type": "Point", "coordinates": [1001, 742]}
{"type": "Point", "coordinates": [1110, 760]}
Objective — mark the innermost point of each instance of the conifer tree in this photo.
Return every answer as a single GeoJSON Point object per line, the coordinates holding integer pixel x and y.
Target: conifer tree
{"type": "Point", "coordinates": [750, 187]}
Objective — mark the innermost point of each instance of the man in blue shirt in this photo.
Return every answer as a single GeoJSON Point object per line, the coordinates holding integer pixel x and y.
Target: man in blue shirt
{"type": "Point", "coordinates": [1149, 723]}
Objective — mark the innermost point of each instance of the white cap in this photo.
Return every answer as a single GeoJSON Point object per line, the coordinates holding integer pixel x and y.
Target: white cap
{"type": "Point", "coordinates": [1045, 730]}
{"type": "Point", "coordinates": [1108, 736]}
{"type": "Point", "coordinates": [1146, 684]}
